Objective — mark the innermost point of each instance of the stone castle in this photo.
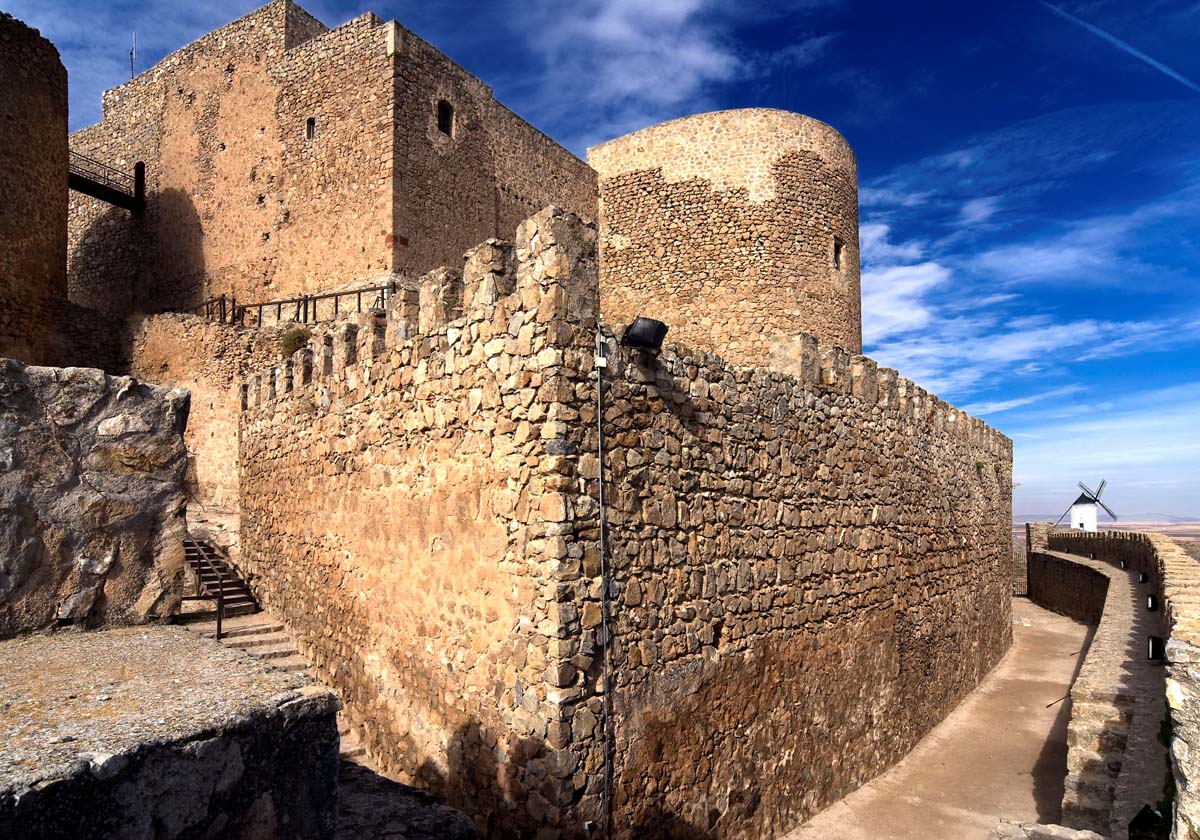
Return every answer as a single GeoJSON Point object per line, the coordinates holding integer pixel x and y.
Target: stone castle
{"type": "Point", "coordinates": [702, 592]}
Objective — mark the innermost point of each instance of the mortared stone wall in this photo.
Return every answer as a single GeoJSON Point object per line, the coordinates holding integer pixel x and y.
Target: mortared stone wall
{"type": "Point", "coordinates": [807, 571]}
{"type": "Point", "coordinates": [33, 193]}
{"type": "Point", "coordinates": [285, 158]}
{"type": "Point", "coordinates": [739, 229]}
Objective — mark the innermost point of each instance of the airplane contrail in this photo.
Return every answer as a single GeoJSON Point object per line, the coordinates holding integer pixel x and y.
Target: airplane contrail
{"type": "Point", "coordinates": [1124, 47]}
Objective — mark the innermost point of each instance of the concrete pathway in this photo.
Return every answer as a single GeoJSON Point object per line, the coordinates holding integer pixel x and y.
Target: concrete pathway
{"type": "Point", "coordinates": [1001, 753]}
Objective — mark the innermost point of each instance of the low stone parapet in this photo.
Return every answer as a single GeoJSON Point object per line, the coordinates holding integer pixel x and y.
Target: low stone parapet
{"type": "Point", "coordinates": [157, 732]}
{"type": "Point", "coordinates": [1114, 762]}
{"type": "Point", "coordinates": [1174, 576]}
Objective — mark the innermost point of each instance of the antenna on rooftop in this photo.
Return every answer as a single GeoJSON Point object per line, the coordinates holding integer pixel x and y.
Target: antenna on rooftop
{"type": "Point", "coordinates": [132, 51]}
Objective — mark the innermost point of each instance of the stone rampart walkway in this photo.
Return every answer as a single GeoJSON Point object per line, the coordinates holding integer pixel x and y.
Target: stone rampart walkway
{"type": "Point", "coordinates": [1001, 754]}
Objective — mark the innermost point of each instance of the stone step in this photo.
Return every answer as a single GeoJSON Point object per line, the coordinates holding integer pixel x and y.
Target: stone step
{"type": "Point", "coordinates": [351, 753]}
{"type": "Point", "coordinates": [281, 651]}
{"type": "Point", "coordinates": [244, 608]}
{"type": "Point", "coordinates": [238, 632]}
{"type": "Point", "coordinates": [291, 663]}
{"type": "Point", "coordinates": [253, 642]}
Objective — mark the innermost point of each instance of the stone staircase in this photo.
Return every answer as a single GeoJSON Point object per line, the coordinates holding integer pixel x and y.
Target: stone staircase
{"type": "Point", "coordinates": [263, 636]}
{"type": "Point", "coordinates": [215, 574]}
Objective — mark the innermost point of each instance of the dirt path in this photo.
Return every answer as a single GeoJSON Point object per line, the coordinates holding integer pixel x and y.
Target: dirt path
{"type": "Point", "coordinates": [1001, 753]}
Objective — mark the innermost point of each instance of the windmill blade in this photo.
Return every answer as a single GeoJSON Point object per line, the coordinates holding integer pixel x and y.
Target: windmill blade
{"type": "Point", "coordinates": [1100, 489]}
{"type": "Point", "coordinates": [1064, 516]}
{"type": "Point", "coordinates": [1107, 509]}
{"type": "Point", "coordinates": [1087, 490]}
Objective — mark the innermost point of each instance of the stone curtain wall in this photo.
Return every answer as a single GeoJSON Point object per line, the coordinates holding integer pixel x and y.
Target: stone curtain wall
{"type": "Point", "coordinates": [732, 217]}
{"type": "Point", "coordinates": [240, 200]}
{"type": "Point", "coordinates": [209, 360]}
{"type": "Point", "coordinates": [419, 505]}
{"type": "Point", "coordinates": [1067, 588]}
{"type": "Point", "coordinates": [405, 510]}
{"type": "Point", "coordinates": [91, 498]}
{"type": "Point", "coordinates": [1176, 577]}
{"type": "Point", "coordinates": [452, 192]}
{"type": "Point", "coordinates": [33, 192]}
{"type": "Point", "coordinates": [810, 572]}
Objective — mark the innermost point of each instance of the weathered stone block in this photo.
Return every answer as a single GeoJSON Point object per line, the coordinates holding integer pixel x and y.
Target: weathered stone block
{"type": "Point", "coordinates": [91, 498]}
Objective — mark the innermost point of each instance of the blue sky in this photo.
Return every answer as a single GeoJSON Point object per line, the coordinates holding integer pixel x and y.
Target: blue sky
{"type": "Point", "coordinates": [1029, 174]}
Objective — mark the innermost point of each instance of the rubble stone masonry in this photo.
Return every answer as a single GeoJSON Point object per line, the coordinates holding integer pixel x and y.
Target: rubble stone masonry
{"type": "Point", "coordinates": [812, 570]}
{"type": "Point", "coordinates": [285, 158]}
{"type": "Point", "coordinates": [737, 228]}
{"type": "Point", "coordinates": [808, 571]}
{"type": "Point", "coordinates": [403, 512]}
{"type": "Point", "coordinates": [33, 192]}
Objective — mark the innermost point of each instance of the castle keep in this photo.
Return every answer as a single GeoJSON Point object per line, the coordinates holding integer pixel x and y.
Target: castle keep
{"type": "Point", "coordinates": [702, 592]}
{"type": "Point", "coordinates": [283, 158]}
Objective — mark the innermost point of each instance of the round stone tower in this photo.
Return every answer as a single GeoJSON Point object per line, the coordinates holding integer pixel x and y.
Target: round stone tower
{"type": "Point", "coordinates": [33, 186]}
{"type": "Point", "coordinates": [739, 229]}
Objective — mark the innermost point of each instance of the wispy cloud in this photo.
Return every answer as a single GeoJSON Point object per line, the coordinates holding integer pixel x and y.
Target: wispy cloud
{"type": "Point", "coordinates": [1124, 47]}
{"type": "Point", "coordinates": [983, 409]}
{"type": "Point", "coordinates": [978, 210]}
{"type": "Point", "coordinates": [629, 64]}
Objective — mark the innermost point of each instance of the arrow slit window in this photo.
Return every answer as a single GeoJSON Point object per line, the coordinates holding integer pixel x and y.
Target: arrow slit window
{"type": "Point", "coordinates": [445, 117]}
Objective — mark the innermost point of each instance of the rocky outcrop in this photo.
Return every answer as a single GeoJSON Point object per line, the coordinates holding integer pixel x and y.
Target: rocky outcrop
{"type": "Point", "coordinates": [91, 498]}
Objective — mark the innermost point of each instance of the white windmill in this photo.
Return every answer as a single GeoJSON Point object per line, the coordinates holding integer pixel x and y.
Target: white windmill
{"type": "Point", "coordinates": [1083, 509]}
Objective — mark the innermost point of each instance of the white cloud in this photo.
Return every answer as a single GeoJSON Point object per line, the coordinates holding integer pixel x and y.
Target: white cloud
{"type": "Point", "coordinates": [890, 197]}
{"type": "Point", "coordinates": [979, 210]}
{"type": "Point", "coordinates": [876, 248]}
{"type": "Point", "coordinates": [982, 409]}
{"type": "Point", "coordinates": [628, 64]}
{"type": "Point", "coordinates": [893, 298]}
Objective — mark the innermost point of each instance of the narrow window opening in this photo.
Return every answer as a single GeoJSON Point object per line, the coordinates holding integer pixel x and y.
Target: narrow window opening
{"type": "Point", "coordinates": [310, 128]}
{"type": "Point", "coordinates": [837, 253]}
{"type": "Point", "coordinates": [445, 117]}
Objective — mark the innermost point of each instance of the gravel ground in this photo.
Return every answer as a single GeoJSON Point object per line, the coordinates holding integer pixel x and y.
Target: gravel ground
{"type": "Point", "coordinates": [74, 698]}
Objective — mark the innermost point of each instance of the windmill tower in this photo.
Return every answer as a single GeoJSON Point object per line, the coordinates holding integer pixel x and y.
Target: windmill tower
{"type": "Point", "coordinates": [1083, 509]}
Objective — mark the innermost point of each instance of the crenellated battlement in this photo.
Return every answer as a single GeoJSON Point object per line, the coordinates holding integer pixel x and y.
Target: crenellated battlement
{"type": "Point", "coordinates": [453, 309]}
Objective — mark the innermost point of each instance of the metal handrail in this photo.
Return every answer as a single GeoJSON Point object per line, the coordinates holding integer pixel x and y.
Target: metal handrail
{"type": "Point", "coordinates": [228, 310]}
{"type": "Point", "coordinates": [102, 173]}
{"type": "Point", "coordinates": [208, 563]}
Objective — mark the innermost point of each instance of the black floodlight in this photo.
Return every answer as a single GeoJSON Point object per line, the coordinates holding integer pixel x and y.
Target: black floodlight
{"type": "Point", "coordinates": [1156, 648]}
{"type": "Point", "coordinates": [1124, 565]}
{"type": "Point", "coordinates": [1152, 602]}
{"type": "Point", "coordinates": [1092, 556]}
{"type": "Point", "coordinates": [1143, 577]}
{"type": "Point", "coordinates": [645, 334]}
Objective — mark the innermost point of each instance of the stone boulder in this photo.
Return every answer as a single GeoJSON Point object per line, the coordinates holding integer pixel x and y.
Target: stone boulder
{"type": "Point", "coordinates": [91, 498]}
{"type": "Point", "coordinates": [1037, 831]}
